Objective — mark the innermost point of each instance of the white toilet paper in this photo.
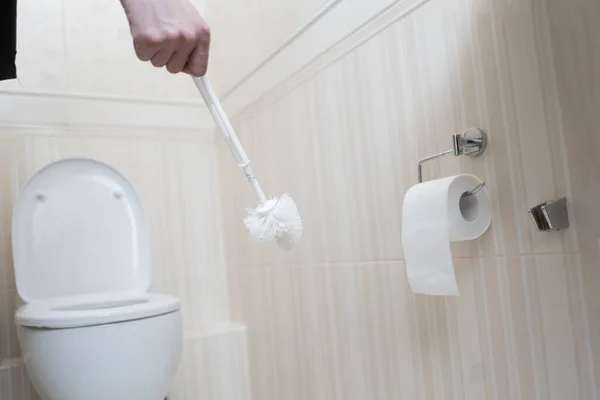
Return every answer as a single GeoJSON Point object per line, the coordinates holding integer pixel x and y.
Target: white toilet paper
{"type": "Point", "coordinates": [436, 213]}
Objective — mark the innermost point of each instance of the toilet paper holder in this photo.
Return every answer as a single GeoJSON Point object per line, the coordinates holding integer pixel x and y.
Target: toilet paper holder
{"type": "Point", "coordinates": [550, 216]}
{"type": "Point", "coordinates": [472, 142]}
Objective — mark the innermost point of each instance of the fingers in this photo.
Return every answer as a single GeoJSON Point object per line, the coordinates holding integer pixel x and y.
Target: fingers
{"type": "Point", "coordinates": [146, 45]}
{"type": "Point", "coordinates": [162, 57]}
{"type": "Point", "coordinates": [180, 57]}
{"type": "Point", "coordinates": [169, 33]}
{"type": "Point", "coordinates": [179, 51]}
{"type": "Point", "coordinates": [157, 48]}
{"type": "Point", "coordinates": [197, 64]}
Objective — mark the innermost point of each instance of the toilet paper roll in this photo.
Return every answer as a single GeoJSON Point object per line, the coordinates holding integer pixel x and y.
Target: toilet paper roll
{"type": "Point", "coordinates": [436, 213]}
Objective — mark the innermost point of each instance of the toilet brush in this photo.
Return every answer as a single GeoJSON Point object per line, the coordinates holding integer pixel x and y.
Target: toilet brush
{"type": "Point", "coordinates": [276, 219]}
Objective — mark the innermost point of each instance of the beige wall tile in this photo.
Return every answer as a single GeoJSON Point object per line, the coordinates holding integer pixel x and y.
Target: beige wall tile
{"type": "Point", "coordinates": [557, 325]}
{"type": "Point", "coordinates": [315, 328]}
{"type": "Point", "coordinates": [356, 331]}
{"type": "Point", "coordinates": [207, 301]}
{"type": "Point", "coordinates": [9, 343]}
{"type": "Point", "coordinates": [467, 350]}
{"type": "Point", "coordinates": [588, 277]}
{"type": "Point", "coordinates": [214, 366]}
{"type": "Point", "coordinates": [9, 151]}
{"type": "Point", "coordinates": [345, 141]}
{"type": "Point", "coordinates": [5, 390]}
{"type": "Point", "coordinates": [251, 287]}
{"type": "Point", "coordinates": [15, 384]}
{"type": "Point", "coordinates": [244, 34]}
{"type": "Point", "coordinates": [575, 46]}
{"type": "Point", "coordinates": [397, 98]}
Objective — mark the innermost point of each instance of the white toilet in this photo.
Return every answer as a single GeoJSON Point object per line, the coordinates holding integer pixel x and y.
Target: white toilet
{"type": "Point", "coordinates": [89, 329]}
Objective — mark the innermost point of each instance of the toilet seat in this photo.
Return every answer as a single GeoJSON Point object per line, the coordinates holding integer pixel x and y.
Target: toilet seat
{"type": "Point", "coordinates": [79, 229]}
{"type": "Point", "coordinates": [91, 310]}
{"type": "Point", "coordinates": [88, 328]}
{"type": "Point", "coordinates": [81, 249]}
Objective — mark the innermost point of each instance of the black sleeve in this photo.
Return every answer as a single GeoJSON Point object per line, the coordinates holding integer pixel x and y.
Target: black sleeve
{"type": "Point", "coordinates": [8, 39]}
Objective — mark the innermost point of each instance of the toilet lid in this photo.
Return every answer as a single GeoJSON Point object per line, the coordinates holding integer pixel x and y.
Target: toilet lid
{"type": "Point", "coordinates": [79, 228]}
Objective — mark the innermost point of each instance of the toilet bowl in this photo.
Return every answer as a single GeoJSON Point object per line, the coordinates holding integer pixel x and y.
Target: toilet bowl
{"type": "Point", "coordinates": [89, 328]}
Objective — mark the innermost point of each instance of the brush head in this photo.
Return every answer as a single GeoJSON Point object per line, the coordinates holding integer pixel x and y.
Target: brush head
{"type": "Point", "coordinates": [276, 221]}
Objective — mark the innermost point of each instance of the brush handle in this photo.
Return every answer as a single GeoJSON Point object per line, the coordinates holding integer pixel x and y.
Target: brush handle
{"type": "Point", "coordinates": [218, 114]}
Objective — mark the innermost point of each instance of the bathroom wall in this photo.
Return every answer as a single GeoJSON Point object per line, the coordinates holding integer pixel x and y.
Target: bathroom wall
{"type": "Point", "coordinates": [335, 318]}
{"type": "Point", "coordinates": [245, 34]}
{"type": "Point", "coordinates": [81, 92]}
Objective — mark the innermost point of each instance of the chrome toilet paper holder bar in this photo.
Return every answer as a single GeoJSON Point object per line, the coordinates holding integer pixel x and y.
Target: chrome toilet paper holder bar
{"type": "Point", "coordinates": [472, 142]}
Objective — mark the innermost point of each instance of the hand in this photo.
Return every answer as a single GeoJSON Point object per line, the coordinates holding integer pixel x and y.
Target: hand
{"type": "Point", "coordinates": [169, 33]}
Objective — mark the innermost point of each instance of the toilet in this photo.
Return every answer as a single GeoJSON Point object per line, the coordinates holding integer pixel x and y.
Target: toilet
{"type": "Point", "coordinates": [89, 328]}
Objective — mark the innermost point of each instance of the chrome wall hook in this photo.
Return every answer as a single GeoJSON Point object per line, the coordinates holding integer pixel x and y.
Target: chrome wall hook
{"type": "Point", "coordinates": [472, 142]}
{"type": "Point", "coordinates": [550, 216]}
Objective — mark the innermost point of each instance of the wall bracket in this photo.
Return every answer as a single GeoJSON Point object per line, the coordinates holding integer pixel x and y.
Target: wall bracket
{"type": "Point", "coordinates": [472, 142]}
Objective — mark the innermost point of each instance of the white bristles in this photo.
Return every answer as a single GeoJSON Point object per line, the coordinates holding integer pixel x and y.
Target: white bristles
{"type": "Point", "coordinates": [277, 221]}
